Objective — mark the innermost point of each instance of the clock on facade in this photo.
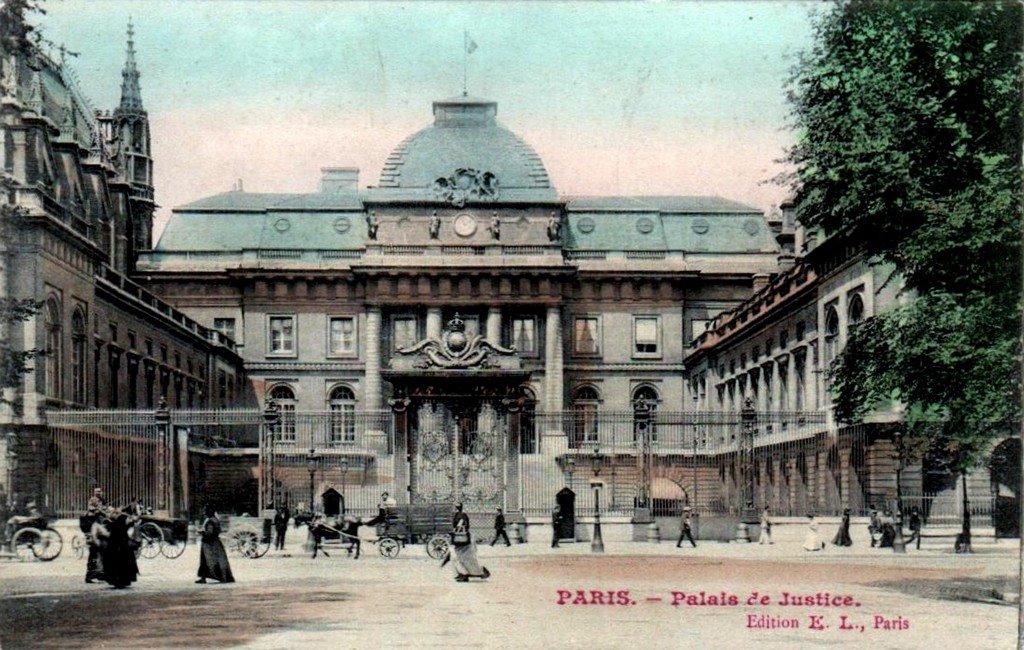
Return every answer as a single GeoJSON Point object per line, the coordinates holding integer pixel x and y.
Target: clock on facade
{"type": "Point", "coordinates": [465, 225]}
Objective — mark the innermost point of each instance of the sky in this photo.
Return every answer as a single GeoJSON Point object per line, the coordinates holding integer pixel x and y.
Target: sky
{"type": "Point", "coordinates": [617, 98]}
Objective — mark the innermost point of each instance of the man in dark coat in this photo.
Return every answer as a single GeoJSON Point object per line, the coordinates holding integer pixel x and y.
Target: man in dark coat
{"type": "Point", "coordinates": [685, 530]}
{"type": "Point", "coordinates": [915, 527]}
{"type": "Point", "coordinates": [117, 552]}
{"type": "Point", "coordinates": [281, 517]}
{"type": "Point", "coordinates": [499, 528]}
{"type": "Point", "coordinates": [556, 525]}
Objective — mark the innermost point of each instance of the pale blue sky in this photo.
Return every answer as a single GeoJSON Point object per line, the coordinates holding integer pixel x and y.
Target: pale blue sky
{"type": "Point", "coordinates": [656, 98]}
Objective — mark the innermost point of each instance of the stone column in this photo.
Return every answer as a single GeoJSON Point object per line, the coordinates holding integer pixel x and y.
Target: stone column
{"type": "Point", "coordinates": [762, 389]}
{"type": "Point", "coordinates": [434, 324]}
{"type": "Point", "coordinates": [776, 397]}
{"type": "Point", "coordinates": [811, 377]}
{"type": "Point", "coordinates": [553, 366]}
{"type": "Point", "coordinates": [373, 351]}
{"type": "Point", "coordinates": [791, 385]}
{"type": "Point", "coordinates": [494, 325]}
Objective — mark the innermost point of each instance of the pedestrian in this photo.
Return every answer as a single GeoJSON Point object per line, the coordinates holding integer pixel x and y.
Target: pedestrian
{"type": "Point", "coordinates": [766, 527]}
{"type": "Point", "coordinates": [813, 541]}
{"type": "Point", "coordinates": [685, 530]}
{"type": "Point", "coordinates": [117, 552]}
{"type": "Point", "coordinates": [842, 537]}
{"type": "Point", "coordinates": [94, 514]}
{"type": "Point", "coordinates": [556, 525]}
{"type": "Point", "coordinates": [888, 529]}
{"type": "Point", "coordinates": [213, 560]}
{"type": "Point", "coordinates": [875, 528]}
{"type": "Point", "coordinates": [499, 528]}
{"type": "Point", "coordinates": [915, 527]}
{"type": "Point", "coordinates": [463, 551]}
{"type": "Point", "coordinates": [281, 517]}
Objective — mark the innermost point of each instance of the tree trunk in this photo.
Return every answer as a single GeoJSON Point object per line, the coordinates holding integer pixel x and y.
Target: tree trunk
{"type": "Point", "coordinates": [963, 542]}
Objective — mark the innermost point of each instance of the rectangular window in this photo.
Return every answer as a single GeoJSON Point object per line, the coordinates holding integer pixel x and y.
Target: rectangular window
{"type": "Point", "coordinates": [131, 340]}
{"type": "Point", "coordinates": [343, 423]}
{"type": "Point", "coordinates": [225, 326]}
{"type": "Point", "coordinates": [524, 335]}
{"type": "Point", "coordinates": [646, 336]}
{"type": "Point", "coordinates": [405, 332]}
{"type": "Point", "coordinates": [586, 335]}
{"type": "Point", "coordinates": [341, 336]}
{"type": "Point", "coordinates": [282, 335]}
{"type": "Point", "coordinates": [113, 332]}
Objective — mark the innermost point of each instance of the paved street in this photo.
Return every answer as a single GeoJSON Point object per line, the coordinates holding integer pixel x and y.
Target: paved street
{"type": "Point", "coordinates": [291, 601]}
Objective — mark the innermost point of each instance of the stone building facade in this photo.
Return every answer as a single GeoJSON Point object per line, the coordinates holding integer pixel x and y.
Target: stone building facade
{"type": "Point", "coordinates": [80, 184]}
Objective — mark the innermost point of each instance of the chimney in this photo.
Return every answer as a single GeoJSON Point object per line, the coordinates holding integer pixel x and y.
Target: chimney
{"type": "Point", "coordinates": [335, 180]}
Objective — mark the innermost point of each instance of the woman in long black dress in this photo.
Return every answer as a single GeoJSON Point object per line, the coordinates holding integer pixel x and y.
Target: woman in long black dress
{"type": "Point", "coordinates": [117, 552]}
{"type": "Point", "coordinates": [842, 537]}
{"type": "Point", "coordinates": [213, 560]}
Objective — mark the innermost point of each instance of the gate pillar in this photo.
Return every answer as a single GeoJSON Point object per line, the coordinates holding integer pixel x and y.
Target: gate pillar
{"type": "Point", "coordinates": [403, 458]}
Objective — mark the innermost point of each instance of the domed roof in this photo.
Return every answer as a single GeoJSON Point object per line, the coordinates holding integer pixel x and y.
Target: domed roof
{"type": "Point", "coordinates": [464, 135]}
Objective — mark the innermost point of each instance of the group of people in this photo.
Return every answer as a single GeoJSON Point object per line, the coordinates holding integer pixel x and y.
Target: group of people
{"type": "Point", "coordinates": [113, 540]}
{"type": "Point", "coordinates": [881, 529]}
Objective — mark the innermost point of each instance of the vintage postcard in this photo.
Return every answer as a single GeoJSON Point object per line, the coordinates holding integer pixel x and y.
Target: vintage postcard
{"type": "Point", "coordinates": [502, 325]}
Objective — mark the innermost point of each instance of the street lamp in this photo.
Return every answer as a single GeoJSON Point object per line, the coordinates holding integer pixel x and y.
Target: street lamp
{"type": "Point", "coordinates": [344, 473]}
{"type": "Point", "coordinates": [748, 419]}
{"type": "Point", "coordinates": [597, 545]}
{"type": "Point", "coordinates": [311, 464]}
{"type": "Point", "coordinates": [899, 545]}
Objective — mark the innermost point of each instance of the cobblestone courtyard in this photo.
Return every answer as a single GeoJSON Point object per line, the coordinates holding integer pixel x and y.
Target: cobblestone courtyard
{"type": "Point", "coordinates": [290, 600]}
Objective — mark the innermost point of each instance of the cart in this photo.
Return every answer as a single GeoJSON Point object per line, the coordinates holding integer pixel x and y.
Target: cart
{"type": "Point", "coordinates": [250, 536]}
{"type": "Point", "coordinates": [428, 524]}
{"type": "Point", "coordinates": [162, 536]}
{"type": "Point", "coordinates": [33, 538]}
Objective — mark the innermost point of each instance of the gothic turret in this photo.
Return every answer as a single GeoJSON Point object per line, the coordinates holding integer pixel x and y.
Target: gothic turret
{"type": "Point", "coordinates": [129, 131]}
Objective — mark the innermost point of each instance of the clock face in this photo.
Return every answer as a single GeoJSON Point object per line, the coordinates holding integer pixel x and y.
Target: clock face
{"type": "Point", "coordinates": [465, 225]}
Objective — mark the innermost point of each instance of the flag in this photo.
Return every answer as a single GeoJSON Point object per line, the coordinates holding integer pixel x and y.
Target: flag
{"type": "Point", "coordinates": [470, 44]}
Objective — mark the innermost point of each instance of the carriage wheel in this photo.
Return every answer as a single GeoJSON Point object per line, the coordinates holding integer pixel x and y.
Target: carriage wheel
{"type": "Point", "coordinates": [389, 547]}
{"type": "Point", "coordinates": [246, 542]}
{"type": "Point", "coordinates": [172, 548]}
{"type": "Point", "coordinates": [50, 545]}
{"type": "Point", "coordinates": [24, 543]}
{"type": "Point", "coordinates": [437, 547]}
{"type": "Point", "coordinates": [258, 548]}
{"type": "Point", "coordinates": [150, 540]}
{"type": "Point", "coordinates": [79, 545]}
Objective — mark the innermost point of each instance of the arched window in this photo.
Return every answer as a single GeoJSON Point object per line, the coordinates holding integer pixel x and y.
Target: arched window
{"type": "Point", "coordinates": [78, 357]}
{"type": "Point", "coordinates": [584, 405]}
{"type": "Point", "coordinates": [831, 333]}
{"type": "Point", "coordinates": [342, 403]}
{"type": "Point", "coordinates": [650, 398]}
{"type": "Point", "coordinates": [284, 397]}
{"type": "Point", "coordinates": [855, 309]}
{"type": "Point", "coordinates": [51, 320]}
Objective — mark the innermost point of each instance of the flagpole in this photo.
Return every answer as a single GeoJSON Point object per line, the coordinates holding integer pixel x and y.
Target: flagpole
{"type": "Point", "coordinates": [465, 59]}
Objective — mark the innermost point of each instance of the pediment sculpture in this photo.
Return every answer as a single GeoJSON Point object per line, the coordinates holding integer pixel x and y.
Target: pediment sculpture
{"type": "Point", "coordinates": [454, 350]}
{"type": "Point", "coordinates": [466, 185]}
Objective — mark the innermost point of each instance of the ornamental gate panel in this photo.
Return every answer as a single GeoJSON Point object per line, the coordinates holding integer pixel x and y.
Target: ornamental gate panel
{"type": "Point", "coordinates": [459, 453]}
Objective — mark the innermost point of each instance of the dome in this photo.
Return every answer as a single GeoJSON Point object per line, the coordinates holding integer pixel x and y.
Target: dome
{"type": "Point", "coordinates": [465, 135]}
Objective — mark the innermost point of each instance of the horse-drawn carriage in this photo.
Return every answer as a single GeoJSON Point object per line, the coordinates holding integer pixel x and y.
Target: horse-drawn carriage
{"type": "Point", "coordinates": [397, 526]}
{"type": "Point", "coordinates": [154, 536]}
{"type": "Point", "coordinates": [250, 536]}
{"type": "Point", "coordinates": [32, 537]}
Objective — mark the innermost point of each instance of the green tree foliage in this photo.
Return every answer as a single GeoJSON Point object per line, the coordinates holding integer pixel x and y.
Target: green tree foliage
{"type": "Point", "coordinates": [908, 148]}
{"type": "Point", "coordinates": [13, 360]}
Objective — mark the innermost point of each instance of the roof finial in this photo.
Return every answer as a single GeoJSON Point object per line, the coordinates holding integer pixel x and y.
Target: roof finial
{"type": "Point", "coordinates": [131, 95]}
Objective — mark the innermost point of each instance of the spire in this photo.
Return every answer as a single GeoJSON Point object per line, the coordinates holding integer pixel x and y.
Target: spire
{"type": "Point", "coordinates": [131, 96]}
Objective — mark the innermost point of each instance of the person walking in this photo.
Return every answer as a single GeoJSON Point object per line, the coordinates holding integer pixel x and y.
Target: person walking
{"type": "Point", "coordinates": [766, 527]}
{"type": "Point", "coordinates": [685, 530]}
{"type": "Point", "coordinates": [499, 528]}
{"type": "Point", "coordinates": [463, 550]}
{"type": "Point", "coordinates": [813, 541]}
{"type": "Point", "coordinates": [842, 537]}
{"type": "Point", "coordinates": [116, 551]}
{"type": "Point", "coordinates": [875, 528]}
{"type": "Point", "coordinates": [556, 525]}
{"type": "Point", "coordinates": [915, 527]}
{"type": "Point", "coordinates": [281, 517]}
{"type": "Point", "coordinates": [213, 560]}
{"type": "Point", "coordinates": [94, 514]}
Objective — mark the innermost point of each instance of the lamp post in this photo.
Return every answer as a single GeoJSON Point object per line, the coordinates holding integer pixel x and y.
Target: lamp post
{"type": "Point", "coordinates": [268, 493]}
{"type": "Point", "coordinates": [344, 473]}
{"type": "Point", "coordinates": [899, 545]}
{"type": "Point", "coordinates": [311, 464]}
{"type": "Point", "coordinates": [748, 419]}
{"type": "Point", "coordinates": [597, 544]}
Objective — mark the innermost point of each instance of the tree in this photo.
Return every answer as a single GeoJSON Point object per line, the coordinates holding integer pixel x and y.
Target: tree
{"type": "Point", "coordinates": [908, 149]}
{"type": "Point", "coordinates": [13, 361]}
